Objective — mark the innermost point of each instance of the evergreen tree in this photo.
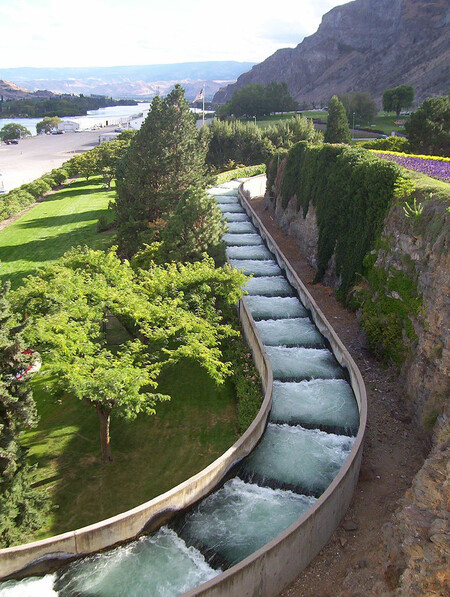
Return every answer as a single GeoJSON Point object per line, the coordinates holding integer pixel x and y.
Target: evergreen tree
{"type": "Point", "coordinates": [428, 128]}
{"type": "Point", "coordinates": [165, 158]}
{"type": "Point", "coordinates": [20, 505]}
{"type": "Point", "coordinates": [338, 130]}
{"type": "Point", "coordinates": [195, 227]}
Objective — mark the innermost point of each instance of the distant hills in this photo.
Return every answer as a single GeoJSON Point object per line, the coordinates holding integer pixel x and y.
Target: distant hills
{"type": "Point", "coordinates": [365, 45]}
{"type": "Point", "coordinates": [140, 82]}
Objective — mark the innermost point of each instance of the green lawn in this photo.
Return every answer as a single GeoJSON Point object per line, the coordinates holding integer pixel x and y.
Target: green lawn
{"type": "Point", "coordinates": [65, 219]}
{"type": "Point", "coordinates": [151, 454]}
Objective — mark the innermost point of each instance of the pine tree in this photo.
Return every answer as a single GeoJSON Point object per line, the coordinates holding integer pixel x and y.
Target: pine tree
{"type": "Point", "coordinates": [338, 130]}
{"type": "Point", "coordinates": [165, 158]}
{"type": "Point", "coordinates": [20, 505]}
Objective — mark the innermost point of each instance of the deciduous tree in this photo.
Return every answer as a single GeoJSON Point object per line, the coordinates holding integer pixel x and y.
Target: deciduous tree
{"type": "Point", "coordinates": [397, 98]}
{"type": "Point", "coordinates": [68, 303]}
{"type": "Point", "coordinates": [13, 131]}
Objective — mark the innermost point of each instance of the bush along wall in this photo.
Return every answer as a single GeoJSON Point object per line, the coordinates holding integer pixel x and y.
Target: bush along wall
{"type": "Point", "coordinates": [18, 199]}
{"type": "Point", "coordinates": [383, 233]}
{"type": "Point", "coordinates": [351, 191]}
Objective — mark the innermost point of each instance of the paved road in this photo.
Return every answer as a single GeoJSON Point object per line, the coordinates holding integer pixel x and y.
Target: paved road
{"type": "Point", "coordinates": [34, 156]}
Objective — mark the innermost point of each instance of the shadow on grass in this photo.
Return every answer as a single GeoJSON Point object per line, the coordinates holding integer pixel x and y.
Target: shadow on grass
{"type": "Point", "coordinates": [57, 221]}
{"type": "Point", "coordinates": [151, 454]}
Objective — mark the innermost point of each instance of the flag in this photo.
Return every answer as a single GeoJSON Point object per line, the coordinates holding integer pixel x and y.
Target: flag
{"type": "Point", "coordinates": [199, 96]}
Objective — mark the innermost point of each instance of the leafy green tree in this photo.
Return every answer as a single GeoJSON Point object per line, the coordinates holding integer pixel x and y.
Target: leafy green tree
{"type": "Point", "coordinates": [13, 131]}
{"type": "Point", "coordinates": [194, 228]}
{"type": "Point", "coordinates": [67, 304]}
{"type": "Point", "coordinates": [286, 133]}
{"type": "Point", "coordinates": [360, 105]}
{"type": "Point", "coordinates": [397, 98]}
{"type": "Point", "coordinates": [165, 158]}
{"type": "Point", "coordinates": [84, 164]}
{"type": "Point", "coordinates": [106, 157]}
{"type": "Point", "coordinates": [258, 100]}
{"type": "Point", "coordinates": [47, 125]}
{"type": "Point", "coordinates": [337, 126]}
{"type": "Point", "coordinates": [20, 505]}
{"type": "Point", "coordinates": [428, 128]}
{"type": "Point", "coordinates": [240, 142]}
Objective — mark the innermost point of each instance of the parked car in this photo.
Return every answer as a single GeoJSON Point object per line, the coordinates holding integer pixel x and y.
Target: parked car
{"type": "Point", "coordinates": [12, 141]}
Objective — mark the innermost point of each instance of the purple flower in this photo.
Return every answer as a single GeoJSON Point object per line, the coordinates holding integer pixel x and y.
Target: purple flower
{"type": "Point", "coordinates": [434, 168]}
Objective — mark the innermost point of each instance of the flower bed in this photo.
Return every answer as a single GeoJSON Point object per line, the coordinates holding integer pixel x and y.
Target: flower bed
{"type": "Point", "coordinates": [434, 166]}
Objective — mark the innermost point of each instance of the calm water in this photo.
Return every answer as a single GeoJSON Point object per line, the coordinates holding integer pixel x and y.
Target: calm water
{"type": "Point", "coordinates": [99, 117]}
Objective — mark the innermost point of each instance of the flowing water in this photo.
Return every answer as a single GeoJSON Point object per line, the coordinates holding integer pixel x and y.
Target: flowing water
{"type": "Point", "coordinates": [290, 332]}
{"type": "Point", "coordinates": [241, 517]}
{"type": "Point", "coordinates": [257, 267]}
{"type": "Point", "coordinates": [304, 459]}
{"type": "Point", "coordinates": [318, 403]}
{"type": "Point", "coordinates": [295, 461]}
{"type": "Point", "coordinates": [275, 307]}
{"type": "Point", "coordinates": [290, 363]}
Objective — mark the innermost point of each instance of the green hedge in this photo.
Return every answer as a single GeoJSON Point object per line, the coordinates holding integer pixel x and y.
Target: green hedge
{"type": "Point", "coordinates": [18, 199]}
{"type": "Point", "coordinates": [240, 173]}
{"type": "Point", "coordinates": [351, 190]}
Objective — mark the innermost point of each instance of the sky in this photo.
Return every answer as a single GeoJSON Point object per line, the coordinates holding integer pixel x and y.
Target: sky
{"type": "Point", "coordinates": [63, 33]}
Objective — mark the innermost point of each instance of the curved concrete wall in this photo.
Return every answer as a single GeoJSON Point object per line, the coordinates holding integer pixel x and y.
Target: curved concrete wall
{"type": "Point", "coordinates": [267, 571]}
{"type": "Point", "coordinates": [37, 557]}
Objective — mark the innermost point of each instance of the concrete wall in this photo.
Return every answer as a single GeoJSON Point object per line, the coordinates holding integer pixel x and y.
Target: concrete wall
{"type": "Point", "coordinates": [40, 556]}
{"type": "Point", "coordinates": [267, 571]}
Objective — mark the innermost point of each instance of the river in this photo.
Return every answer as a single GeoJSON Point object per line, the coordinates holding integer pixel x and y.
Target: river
{"type": "Point", "coordinates": [94, 118]}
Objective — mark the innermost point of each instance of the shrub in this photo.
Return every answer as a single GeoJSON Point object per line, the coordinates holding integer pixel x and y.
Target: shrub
{"type": "Point", "coordinates": [388, 144]}
{"type": "Point", "coordinates": [37, 188]}
{"type": "Point", "coordinates": [351, 190]}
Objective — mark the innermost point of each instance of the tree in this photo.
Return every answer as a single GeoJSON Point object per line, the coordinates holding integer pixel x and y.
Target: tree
{"type": "Point", "coordinates": [106, 157]}
{"type": "Point", "coordinates": [165, 158]}
{"type": "Point", "coordinates": [194, 228]}
{"type": "Point", "coordinates": [236, 141]}
{"type": "Point", "coordinates": [68, 303]}
{"type": "Point", "coordinates": [397, 98]}
{"type": "Point", "coordinates": [428, 128]}
{"type": "Point", "coordinates": [337, 126]}
{"type": "Point", "coordinates": [47, 125]}
{"type": "Point", "coordinates": [359, 105]}
{"type": "Point", "coordinates": [20, 505]}
{"type": "Point", "coordinates": [257, 99]}
{"type": "Point", "coordinates": [13, 131]}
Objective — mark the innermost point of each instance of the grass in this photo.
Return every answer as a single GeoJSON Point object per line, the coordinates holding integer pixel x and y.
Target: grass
{"type": "Point", "coordinates": [65, 219]}
{"type": "Point", "coordinates": [151, 454]}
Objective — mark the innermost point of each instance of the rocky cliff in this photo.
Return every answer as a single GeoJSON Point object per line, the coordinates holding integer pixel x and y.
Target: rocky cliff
{"type": "Point", "coordinates": [364, 46]}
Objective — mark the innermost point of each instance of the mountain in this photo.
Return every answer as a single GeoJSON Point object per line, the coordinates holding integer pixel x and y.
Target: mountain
{"type": "Point", "coordinates": [364, 45]}
{"type": "Point", "coordinates": [130, 81]}
{"type": "Point", "coordinates": [9, 91]}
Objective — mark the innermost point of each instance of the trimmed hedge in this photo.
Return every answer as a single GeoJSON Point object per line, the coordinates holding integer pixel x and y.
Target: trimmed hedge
{"type": "Point", "coordinates": [18, 199]}
{"type": "Point", "coordinates": [240, 173]}
{"type": "Point", "coordinates": [351, 190]}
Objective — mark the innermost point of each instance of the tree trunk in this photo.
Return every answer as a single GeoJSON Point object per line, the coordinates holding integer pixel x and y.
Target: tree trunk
{"type": "Point", "coordinates": [104, 416]}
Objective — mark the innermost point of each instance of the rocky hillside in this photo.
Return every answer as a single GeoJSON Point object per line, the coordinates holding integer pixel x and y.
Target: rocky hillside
{"type": "Point", "coordinates": [364, 46]}
{"type": "Point", "coordinates": [11, 91]}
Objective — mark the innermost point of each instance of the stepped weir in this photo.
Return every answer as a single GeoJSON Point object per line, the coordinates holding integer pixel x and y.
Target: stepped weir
{"type": "Point", "coordinates": [251, 521]}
